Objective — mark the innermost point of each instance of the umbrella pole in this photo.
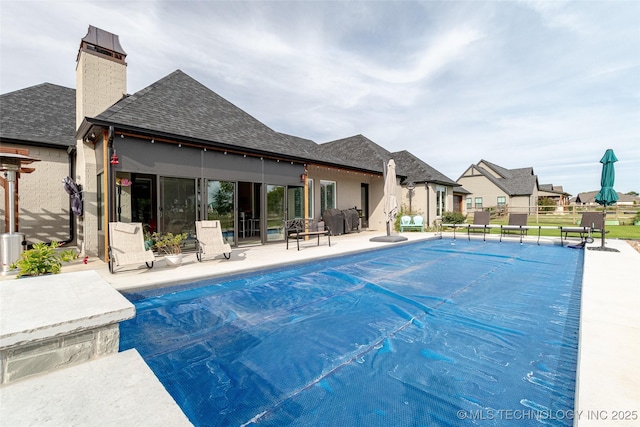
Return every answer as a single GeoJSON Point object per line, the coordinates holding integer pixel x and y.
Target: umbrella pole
{"type": "Point", "coordinates": [388, 229]}
{"type": "Point", "coordinates": [604, 220]}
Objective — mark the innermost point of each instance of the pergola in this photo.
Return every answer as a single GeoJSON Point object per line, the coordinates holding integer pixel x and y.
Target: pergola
{"type": "Point", "coordinates": [12, 162]}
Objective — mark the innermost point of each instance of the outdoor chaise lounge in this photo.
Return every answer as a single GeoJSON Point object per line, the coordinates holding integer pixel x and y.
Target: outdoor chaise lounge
{"type": "Point", "coordinates": [517, 224]}
{"type": "Point", "coordinates": [480, 222]}
{"type": "Point", "coordinates": [209, 240]}
{"type": "Point", "coordinates": [589, 223]}
{"type": "Point", "coordinates": [126, 245]}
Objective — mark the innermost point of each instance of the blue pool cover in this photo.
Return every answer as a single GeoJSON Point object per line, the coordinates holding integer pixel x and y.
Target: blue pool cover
{"type": "Point", "coordinates": [437, 333]}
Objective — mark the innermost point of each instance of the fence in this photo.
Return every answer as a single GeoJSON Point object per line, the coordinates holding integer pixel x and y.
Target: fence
{"type": "Point", "coordinates": [571, 214]}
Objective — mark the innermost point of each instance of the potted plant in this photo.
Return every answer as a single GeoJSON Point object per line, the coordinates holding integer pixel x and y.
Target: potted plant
{"type": "Point", "coordinates": [170, 245]}
{"type": "Point", "coordinates": [43, 259]}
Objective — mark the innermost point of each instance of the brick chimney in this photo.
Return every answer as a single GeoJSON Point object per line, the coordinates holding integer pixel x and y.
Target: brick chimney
{"type": "Point", "coordinates": [101, 73]}
{"type": "Point", "coordinates": [101, 81]}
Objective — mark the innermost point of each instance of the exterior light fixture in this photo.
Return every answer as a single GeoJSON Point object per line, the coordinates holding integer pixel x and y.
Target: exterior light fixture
{"type": "Point", "coordinates": [114, 158]}
{"type": "Point", "coordinates": [410, 186]}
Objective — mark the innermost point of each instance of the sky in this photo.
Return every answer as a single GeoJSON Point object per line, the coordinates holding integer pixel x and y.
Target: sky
{"type": "Point", "coordinates": [543, 84]}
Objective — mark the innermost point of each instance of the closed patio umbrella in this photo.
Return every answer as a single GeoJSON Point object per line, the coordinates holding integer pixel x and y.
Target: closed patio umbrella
{"type": "Point", "coordinates": [390, 199]}
{"type": "Point", "coordinates": [390, 203]}
{"type": "Point", "coordinates": [607, 196]}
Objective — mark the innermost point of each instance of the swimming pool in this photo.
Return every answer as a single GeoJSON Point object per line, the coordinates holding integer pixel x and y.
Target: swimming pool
{"type": "Point", "coordinates": [430, 333]}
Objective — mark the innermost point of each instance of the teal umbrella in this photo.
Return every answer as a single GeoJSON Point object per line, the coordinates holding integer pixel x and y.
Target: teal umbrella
{"type": "Point", "coordinates": [607, 196]}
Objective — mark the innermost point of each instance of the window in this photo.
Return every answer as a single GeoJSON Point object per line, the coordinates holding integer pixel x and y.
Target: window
{"type": "Point", "coordinates": [469, 203]}
{"type": "Point", "coordinates": [502, 201]}
{"type": "Point", "coordinates": [441, 200]}
{"type": "Point", "coordinates": [478, 202]}
{"type": "Point", "coordinates": [327, 195]}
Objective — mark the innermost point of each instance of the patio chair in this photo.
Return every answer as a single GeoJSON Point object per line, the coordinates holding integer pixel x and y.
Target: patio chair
{"type": "Point", "coordinates": [480, 222]}
{"type": "Point", "coordinates": [591, 222]}
{"type": "Point", "coordinates": [418, 222]}
{"type": "Point", "coordinates": [405, 221]}
{"type": "Point", "coordinates": [516, 224]}
{"type": "Point", "coordinates": [209, 240]}
{"type": "Point", "coordinates": [126, 246]}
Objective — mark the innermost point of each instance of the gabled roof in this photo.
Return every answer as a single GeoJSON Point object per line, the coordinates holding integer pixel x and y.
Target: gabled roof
{"type": "Point", "coordinates": [589, 198]}
{"type": "Point", "coordinates": [550, 188]}
{"type": "Point", "coordinates": [178, 105]}
{"type": "Point", "coordinates": [514, 182]}
{"type": "Point", "coordinates": [419, 171]}
{"type": "Point", "coordinates": [43, 115]}
{"type": "Point", "coordinates": [357, 151]}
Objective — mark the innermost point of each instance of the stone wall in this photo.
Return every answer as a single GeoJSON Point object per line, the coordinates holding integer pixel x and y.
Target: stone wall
{"type": "Point", "coordinates": [47, 355]}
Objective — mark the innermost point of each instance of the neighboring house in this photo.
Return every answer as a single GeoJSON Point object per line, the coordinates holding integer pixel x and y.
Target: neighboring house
{"type": "Point", "coordinates": [492, 186]}
{"type": "Point", "coordinates": [175, 152]}
{"type": "Point", "coordinates": [41, 119]}
{"type": "Point", "coordinates": [589, 199]}
{"type": "Point", "coordinates": [555, 193]}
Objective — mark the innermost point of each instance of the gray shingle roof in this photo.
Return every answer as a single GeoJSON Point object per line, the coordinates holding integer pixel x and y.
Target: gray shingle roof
{"type": "Point", "coordinates": [356, 151]}
{"type": "Point", "coordinates": [306, 144]}
{"type": "Point", "coordinates": [419, 171]}
{"type": "Point", "coordinates": [181, 106]}
{"type": "Point", "coordinates": [514, 182]}
{"type": "Point", "coordinates": [44, 114]}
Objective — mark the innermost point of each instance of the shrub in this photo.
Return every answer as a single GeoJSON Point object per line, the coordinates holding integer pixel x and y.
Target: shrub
{"type": "Point", "coordinates": [43, 259]}
{"type": "Point", "coordinates": [453, 218]}
{"type": "Point", "coordinates": [169, 243]}
{"type": "Point", "coordinates": [546, 204]}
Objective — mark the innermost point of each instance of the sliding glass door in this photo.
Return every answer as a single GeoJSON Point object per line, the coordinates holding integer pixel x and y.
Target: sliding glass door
{"type": "Point", "coordinates": [221, 206]}
{"type": "Point", "coordinates": [275, 212]}
{"type": "Point", "coordinates": [178, 206]}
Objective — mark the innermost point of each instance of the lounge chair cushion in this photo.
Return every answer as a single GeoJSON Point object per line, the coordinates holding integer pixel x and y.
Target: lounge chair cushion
{"type": "Point", "coordinates": [126, 228]}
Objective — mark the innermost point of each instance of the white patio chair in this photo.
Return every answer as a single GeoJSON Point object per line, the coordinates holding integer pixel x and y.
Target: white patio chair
{"type": "Point", "coordinates": [209, 240]}
{"type": "Point", "coordinates": [126, 245]}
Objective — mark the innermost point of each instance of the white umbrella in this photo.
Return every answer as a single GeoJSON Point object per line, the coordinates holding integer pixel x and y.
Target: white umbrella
{"type": "Point", "coordinates": [390, 199]}
{"type": "Point", "coordinates": [390, 204]}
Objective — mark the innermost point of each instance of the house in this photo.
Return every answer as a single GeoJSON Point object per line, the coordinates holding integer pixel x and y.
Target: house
{"type": "Point", "coordinates": [555, 193]}
{"type": "Point", "coordinates": [588, 198]}
{"type": "Point", "coordinates": [41, 120]}
{"type": "Point", "coordinates": [492, 186]}
{"type": "Point", "coordinates": [175, 152]}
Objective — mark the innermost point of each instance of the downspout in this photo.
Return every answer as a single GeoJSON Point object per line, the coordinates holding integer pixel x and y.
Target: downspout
{"type": "Point", "coordinates": [111, 178]}
{"type": "Point", "coordinates": [71, 152]}
{"type": "Point", "coordinates": [426, 184]}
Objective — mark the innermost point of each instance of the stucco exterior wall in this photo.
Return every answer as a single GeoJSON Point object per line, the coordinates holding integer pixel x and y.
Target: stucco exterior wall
{"type": "Point", "coordinates": [348, 188]}
{"type": "Point", "coordinates": [424, 201]}
{"type": "Point", "coordinates": [43, 204]}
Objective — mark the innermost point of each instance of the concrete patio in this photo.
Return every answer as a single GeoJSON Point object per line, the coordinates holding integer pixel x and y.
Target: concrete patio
{"type": "Point", "coordinates": [105, 390]}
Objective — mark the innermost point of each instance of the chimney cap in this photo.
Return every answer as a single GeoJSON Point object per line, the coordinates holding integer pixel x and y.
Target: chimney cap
{"type": "Point", "coordinates": [104, 39]}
